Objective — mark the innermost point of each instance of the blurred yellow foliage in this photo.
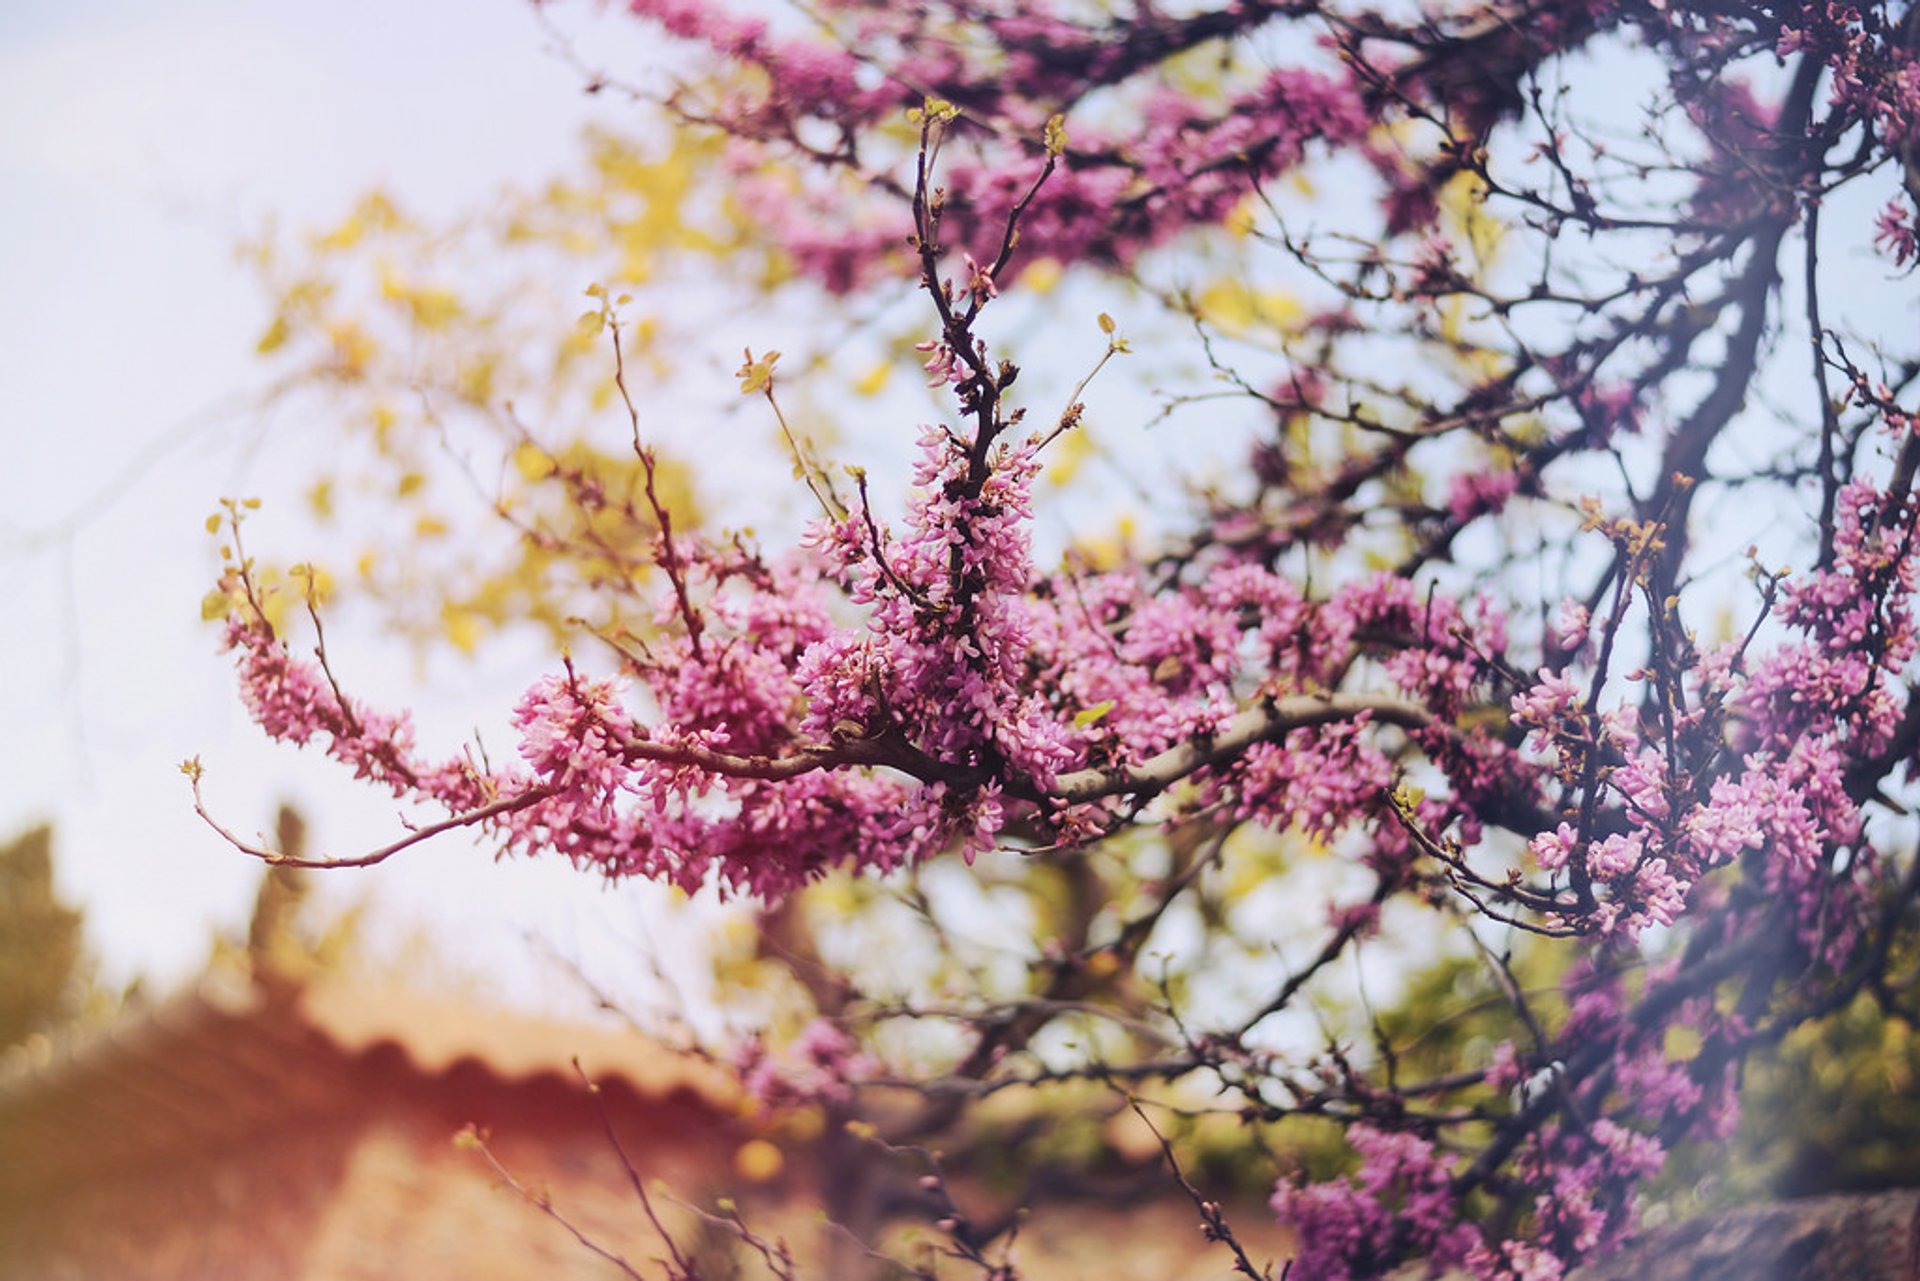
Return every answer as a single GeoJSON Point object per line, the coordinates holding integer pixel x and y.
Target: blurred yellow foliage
{"type": "Point", "coordinates": [1463, 214]}
{"type": "Point", "coordinates": [532, 462]}
{"type": "Point", "coordinates": [1067, 454]}
{"type": "Point", "coordinates": [1235, 308]}
{"type": "Point", "coordinates": [1042, 275]}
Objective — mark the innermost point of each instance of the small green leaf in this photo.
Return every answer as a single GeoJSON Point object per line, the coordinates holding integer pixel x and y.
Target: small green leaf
{"type": "Point", "coordinates": [1092, 715]}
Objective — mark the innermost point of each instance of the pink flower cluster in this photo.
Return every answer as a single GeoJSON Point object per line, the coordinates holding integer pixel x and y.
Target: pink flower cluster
{"type": "Point", "coordinates": [820, 1065]}
{"type": "Point", "coordinates": [1797, 715]}
{"type": "Point", "coordinates": [1117, 193]}
{"type": "Point", "coordinates": [1399, 1202]}
{"type": "Point", "coordinates": [784, 742]}
{"type": "Point", "coordinates": [297, 702]}
{"type": "Point", "coordinates": [1586, 1176]}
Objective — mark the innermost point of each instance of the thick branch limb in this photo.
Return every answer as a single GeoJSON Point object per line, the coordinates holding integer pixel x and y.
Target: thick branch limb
{"type": "Point", "coordinates": [1270, 720]}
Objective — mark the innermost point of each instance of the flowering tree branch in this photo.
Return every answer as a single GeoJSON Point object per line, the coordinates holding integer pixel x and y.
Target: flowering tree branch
{"type": "Point", "coordinates": [1445, 625]}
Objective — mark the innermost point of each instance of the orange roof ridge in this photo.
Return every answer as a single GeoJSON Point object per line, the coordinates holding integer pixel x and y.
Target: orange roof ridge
{"type": "Point", "coordinates": [434, 1034]}
{"type": "Point", "coordinates": [437, 1032]}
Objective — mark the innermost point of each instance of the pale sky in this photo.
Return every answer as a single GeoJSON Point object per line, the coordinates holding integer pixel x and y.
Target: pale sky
{"type": "Point", "coordinates": [139, 142]}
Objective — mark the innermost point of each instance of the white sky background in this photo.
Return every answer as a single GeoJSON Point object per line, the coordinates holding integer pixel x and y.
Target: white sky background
{"type": "Point", "coordinates": [139, 143]}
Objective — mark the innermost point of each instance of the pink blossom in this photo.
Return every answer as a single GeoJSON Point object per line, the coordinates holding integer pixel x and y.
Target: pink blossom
{"type": "Point", "coordinates": [823, 1064]}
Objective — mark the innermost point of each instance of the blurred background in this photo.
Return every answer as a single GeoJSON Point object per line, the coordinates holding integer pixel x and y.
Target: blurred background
{"type": "Point", "coordinates": [141, 147]}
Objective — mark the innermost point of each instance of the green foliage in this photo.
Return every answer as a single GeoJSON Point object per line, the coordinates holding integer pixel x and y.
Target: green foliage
{"type": "Point", "coordinates": [1458, 1010]}
{"type": "Point", "coordinates": [1833, 1108]}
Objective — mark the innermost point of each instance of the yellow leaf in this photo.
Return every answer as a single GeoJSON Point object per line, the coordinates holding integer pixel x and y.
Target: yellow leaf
{"type": "Point", "coordinates": [1092, 715]}
{"type": "Point", "coordinates": [475, 383]}
{"type": "Point", "coordinates": [1106, 324]}
{"type": "Point", "coordinates": [757, 375]}
{"type": "Point", "coordinates": [461, 628]}
{"type": "Point", "coordinates": [1281, 310]}
{"type": "Point", "coordinates": [275, 337]}
{"type": "Point", "coordinates": [1242, 220]}
{"type": "Point", "coordinates": [1104, 552]}
{"type": "Point", "coordinates": [319, 583]}
{"type": "Point", "coordinates": [375, 212]}
{"type": "Point", "coordinates": [411, 483]}
{"type": "Point", "coordinates": [213, 523]}
{"type": "Point", "coordinates": [276, 605]}
{"type": "Point", "coordinates": [214, 605]}
{"type": "Point", "coordinates": [1463, 207]}
{"type": "Point", "coordinates": [434, 308]}
{"type": "Point", "coordinates": [353, 348]}
{"type": "Point", "coordinates": [871, 382]}
{"type": "Point", "coordinates": [936, 111]}
{"type": "Point", "coordinates": [346, 235]}
{"type": "Point", "coordinates": [1069, 453]}
{"type": "Point", "coordinates": [392, 287]}
{"type": "Point", "coordinates": [1042, 275]}
{"type": "Point", "coordinates": [532, 461]}
{"type": "Point", "coordinates": [636, 263]}
{"type": "Point", "coordinates": [1056, 135]}
{"type": "Point", "coordinates": [1234, 308]}
{"type": "Point", "coordinates": [1227, 304]}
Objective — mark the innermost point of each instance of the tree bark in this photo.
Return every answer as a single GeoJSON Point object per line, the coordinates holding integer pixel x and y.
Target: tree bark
{"type": "Point", "coordinates": [1850, 1237]}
